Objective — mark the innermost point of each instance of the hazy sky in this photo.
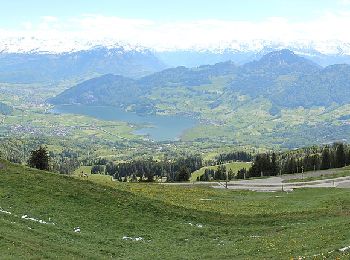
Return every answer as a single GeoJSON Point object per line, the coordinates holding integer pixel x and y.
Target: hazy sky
{"type": "Point", "coordinates": [15, 12]}
{"type": "Point", "coordinates": [178, 23]}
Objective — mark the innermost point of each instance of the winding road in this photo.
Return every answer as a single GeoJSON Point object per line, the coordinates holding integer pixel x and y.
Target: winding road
{"type": "Point", "coordinates": [280, 183]}
{"type": "Point", "coordinates": [277, 184]}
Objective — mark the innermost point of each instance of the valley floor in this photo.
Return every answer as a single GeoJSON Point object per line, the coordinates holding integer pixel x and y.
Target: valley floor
{"type": "Point", "coordinates": [45, 215]}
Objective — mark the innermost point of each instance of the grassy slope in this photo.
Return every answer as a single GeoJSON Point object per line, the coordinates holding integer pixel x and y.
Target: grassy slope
{"type": "Point", "coordinates": [236, 224]}
{"type": "Point", "coordinates": [234, 166]}
{"type": "Point", "coordinates": [85, 169]}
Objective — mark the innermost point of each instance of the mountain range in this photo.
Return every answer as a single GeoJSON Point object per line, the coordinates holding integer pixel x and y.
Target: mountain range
{"type": "Point", "coordinates": [284, 78]}
{"type": "Point", "coordinates": [33, 67]}
{"type": "Point", "coordinates": [25, 60]}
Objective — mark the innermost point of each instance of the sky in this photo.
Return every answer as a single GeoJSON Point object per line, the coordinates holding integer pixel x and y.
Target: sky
{"type": "Point", "coordinates": [14, 12]}
{"type": "Point", "coordinates": [177, 23]}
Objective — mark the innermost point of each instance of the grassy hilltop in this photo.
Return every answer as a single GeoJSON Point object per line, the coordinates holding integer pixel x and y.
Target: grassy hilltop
{"type": "Point", "coordinates": [154, 221]}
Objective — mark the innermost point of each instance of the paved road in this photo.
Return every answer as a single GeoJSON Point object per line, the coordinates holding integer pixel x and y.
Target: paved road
{"type": "Point", "coordinates": [311, 174]}
{"type": "Point", "coordinates": [279, 184]}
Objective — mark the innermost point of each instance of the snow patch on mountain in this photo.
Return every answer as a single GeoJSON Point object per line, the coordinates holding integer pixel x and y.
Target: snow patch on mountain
{"type": "Point", "coordinates": [56, 45]}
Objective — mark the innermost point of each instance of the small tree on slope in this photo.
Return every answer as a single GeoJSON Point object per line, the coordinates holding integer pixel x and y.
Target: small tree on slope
{"type": "Point", "coordinates": [39, 159]}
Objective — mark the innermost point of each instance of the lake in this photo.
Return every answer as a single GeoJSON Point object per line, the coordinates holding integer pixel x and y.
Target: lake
{"type": "Point", "coordinates": [157, 127]}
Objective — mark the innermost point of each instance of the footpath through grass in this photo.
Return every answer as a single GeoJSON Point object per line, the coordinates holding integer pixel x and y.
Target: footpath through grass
{"type": "Point", "coordinates": [156, 221]}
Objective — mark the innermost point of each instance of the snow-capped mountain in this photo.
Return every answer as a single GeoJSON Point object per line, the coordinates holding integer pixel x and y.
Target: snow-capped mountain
{"type": "Point", "coordinates": [40, 65]}
{"type": "Point", "coordinates": [32, 44]}
{"type": "Point", "coordinates": [33, 59]}
{"type": "Point", "coordinates": [57, 45]}
{"type": "Point", "coordinates": [323, 53]}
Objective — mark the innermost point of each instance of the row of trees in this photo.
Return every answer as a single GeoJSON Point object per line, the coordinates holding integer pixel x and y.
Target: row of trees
{"type": "Point", "coordinates": [148, 169]}
{"type": "Point", "coordinates": [219, 174]}
{"type": "Point", "coordinates": [234, 157]}
{"type": "Point", "coordinates": [264, 165]}
{"type": "Point", "coordinates": [180, 169]}
{"type": "Point", "coordinates": [137, 170]}
{"type": "Point", "coordinates": [307, 159]}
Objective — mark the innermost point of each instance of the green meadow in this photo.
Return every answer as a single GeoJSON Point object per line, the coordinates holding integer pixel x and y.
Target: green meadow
{"type": "Point", "coordinates": [46, 215]}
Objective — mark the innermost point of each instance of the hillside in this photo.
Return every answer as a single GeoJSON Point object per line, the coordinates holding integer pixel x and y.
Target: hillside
{"type": "Point", "coordinates": [35, 67]}
{"type": "Point", "coordinates": [116, 90]}
{"type": "Point", "coordinates": [280, 100]}
{"type": "Point", "coordinates": [107, 89]}
{"type": "Point", "coordinates": [282, 77]}
{"type": "Point", "coordinates": [48, 216]}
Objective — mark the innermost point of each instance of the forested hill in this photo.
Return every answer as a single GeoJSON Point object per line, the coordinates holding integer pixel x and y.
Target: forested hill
{"type": "Point", "coordinates": [282, 77]}
{"type": "Point", "coordinates": [121, 91]}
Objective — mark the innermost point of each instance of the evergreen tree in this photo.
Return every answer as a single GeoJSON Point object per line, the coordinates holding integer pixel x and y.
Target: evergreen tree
{"type": "Point", "coordinates": [274, 166]}
{"type": "Point", "coordinates": [220, 173]}
{"type": "Point", "coordinates": [183, 174]}
{"type": "Point", "coordinates": [39, 159]}
{"type": "Point", "coordinates": [150, 176]}
{"type": "Point", "coordinates": [347, 158]}
{"type": "Point", "coordinates": [230, 174]}
{"type": "Point", "coordinates": [261, 166]}
{"type": "Point", "coordinates": [340, 158]}
{"type": "Point", "coordinates": [242, 174]}
{"type": "Point", "coordinates": [326, 159]}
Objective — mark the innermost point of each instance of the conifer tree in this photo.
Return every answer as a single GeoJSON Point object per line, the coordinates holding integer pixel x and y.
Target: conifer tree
{"type": "Point", "coordinates": [39, 159]}
{"type": "Point", "coordinates": [326, 159]}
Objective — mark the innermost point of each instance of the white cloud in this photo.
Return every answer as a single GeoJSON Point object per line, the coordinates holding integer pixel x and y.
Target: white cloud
{"type": "Point", "coordinates": [344, 2]}
{"type": "Point", "coordinates": [27, 25]}
{"type": "Point", "coordinates": [87, 30]}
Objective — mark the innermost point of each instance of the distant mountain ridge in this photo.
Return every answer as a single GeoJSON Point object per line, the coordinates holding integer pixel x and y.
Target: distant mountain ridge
{"type": "Point", "coordinates": [193, 58]}
{"type": "Point", "coordinates": [47, 67]}
{"type": "Point", "coordinates": [282, 77]}
{"type": "Point", "coordinates": [117, 90]}
{"type": "Point", "coordinates": [32, 60]}
{"type": "Point", "coordinates": [291, 81]}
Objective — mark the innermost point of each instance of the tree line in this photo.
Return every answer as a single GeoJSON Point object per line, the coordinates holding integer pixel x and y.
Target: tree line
{"type": "Point", "coordinates": [241, 156]}
{"type": "Point", "coordinates": [312, 158]}
{"type": "Point", "coordinates": [218, 174]}
{"type": "Point", "coordinates": [301, 160]}
{"type": "Point", "coordinates": [179, 169]}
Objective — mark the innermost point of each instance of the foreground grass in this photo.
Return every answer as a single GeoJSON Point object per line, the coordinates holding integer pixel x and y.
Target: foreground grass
{"type": "Point", "coordinates": [175, 222]}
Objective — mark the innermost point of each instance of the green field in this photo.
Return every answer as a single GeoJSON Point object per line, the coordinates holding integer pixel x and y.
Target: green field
{"type": "Point", "coordinates": [84, 169]}
{"type": "Point", "coordinates": [234, 166]}
{"type": "Point", "coordinates": [155, 221]}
